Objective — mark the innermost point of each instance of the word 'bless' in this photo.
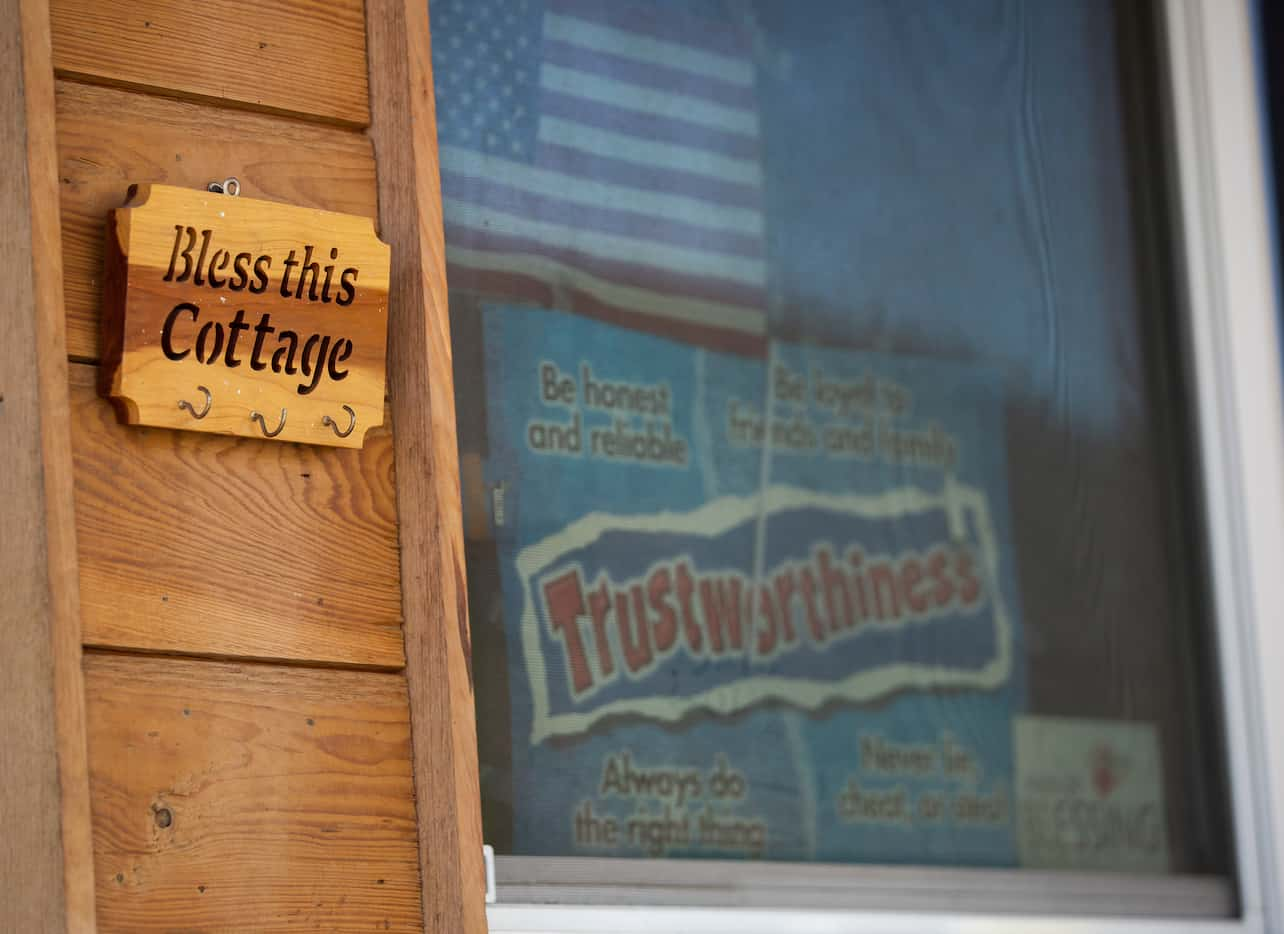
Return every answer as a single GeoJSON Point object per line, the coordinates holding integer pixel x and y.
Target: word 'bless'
{"type": "Point", "coordinates": [216, 341]}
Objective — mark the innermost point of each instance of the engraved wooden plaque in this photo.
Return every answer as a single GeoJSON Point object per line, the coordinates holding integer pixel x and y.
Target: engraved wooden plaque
{"type": "Point", "coordinates": [243, 317]}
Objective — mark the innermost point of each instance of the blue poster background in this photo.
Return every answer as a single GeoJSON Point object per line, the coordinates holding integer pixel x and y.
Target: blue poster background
{"type": "Point", "coordinates": [913, 774]}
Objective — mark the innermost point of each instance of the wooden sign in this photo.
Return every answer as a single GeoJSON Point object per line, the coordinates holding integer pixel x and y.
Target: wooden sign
{"type": "Point", "coordinates": [244, 317]}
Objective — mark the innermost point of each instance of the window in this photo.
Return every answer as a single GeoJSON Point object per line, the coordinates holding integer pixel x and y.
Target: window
{"type": "Point", "coordinates": [828, 458]}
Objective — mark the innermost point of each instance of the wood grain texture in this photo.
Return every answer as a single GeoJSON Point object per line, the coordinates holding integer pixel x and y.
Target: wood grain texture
{"type": "Point", "coordinates": [434, 596]}
{"type": "Point", "coordinates": [300, 57]}
{"type": "Point", "coordinates": [55, 439]}
{"type": "Point", "coordinates": [45, 856]}
{"type": "Point", "coordinates": [250, 798]}
{"type": "Point", "coordinates": [109, 138]}
{"type": "Point", "coordinates": [234, 547]}
{"type": "Point", "coordinates": [221, 310]}
{"type": "Point", "coordinates": [30, 848]}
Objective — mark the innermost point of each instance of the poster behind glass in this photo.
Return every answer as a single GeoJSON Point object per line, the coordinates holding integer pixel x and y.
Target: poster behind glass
{"type": "Point", "coordinates": [819, 493]}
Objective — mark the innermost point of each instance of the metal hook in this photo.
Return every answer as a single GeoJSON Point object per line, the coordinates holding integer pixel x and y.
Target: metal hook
{"type": "Point", "coordinates": [352, 423]}
{"type": "Point", "coordinates": [209, 400]}
{"type": "Point", "coordinates": [229, 186]}
{"type": "Point", "coordinates": [258, 417]}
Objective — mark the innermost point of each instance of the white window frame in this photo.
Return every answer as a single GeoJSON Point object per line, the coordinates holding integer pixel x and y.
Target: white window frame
{"type": "Point", "coordinates": [1222, 194]}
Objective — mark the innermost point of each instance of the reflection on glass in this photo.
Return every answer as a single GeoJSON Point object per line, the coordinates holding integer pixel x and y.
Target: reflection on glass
{"type": "Point", "coordinates": [821, 497]}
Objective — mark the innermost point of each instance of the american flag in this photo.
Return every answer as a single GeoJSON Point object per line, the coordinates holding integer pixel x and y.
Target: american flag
{"type": "Point", "coordinates": [603, 157]}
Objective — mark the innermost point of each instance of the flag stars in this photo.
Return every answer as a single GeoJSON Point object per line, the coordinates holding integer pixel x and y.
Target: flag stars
{"type": "Point", "coordinates": [486, 74]}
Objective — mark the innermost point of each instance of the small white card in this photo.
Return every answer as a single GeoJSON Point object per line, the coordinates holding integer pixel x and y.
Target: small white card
{"type": "Point", "coordinates": [1089, 795]}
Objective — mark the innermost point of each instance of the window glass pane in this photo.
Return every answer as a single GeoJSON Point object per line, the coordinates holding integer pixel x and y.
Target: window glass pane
{"type": "Point", "coordinates": [826, 473]}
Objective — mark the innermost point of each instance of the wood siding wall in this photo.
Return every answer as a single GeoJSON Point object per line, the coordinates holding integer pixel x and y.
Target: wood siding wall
{"type": "Point", "coordinates": [249, 727]}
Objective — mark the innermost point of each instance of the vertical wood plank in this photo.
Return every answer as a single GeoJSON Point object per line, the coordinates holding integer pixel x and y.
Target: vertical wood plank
{"type": "Point", "coordinates": [46, 858]}
{"type": "Point", "coordinates": [30, 854]}
{"type": "Point", "coordinates": [434, 599]}
{"type": "Point", "coordinates": [60, 511]}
